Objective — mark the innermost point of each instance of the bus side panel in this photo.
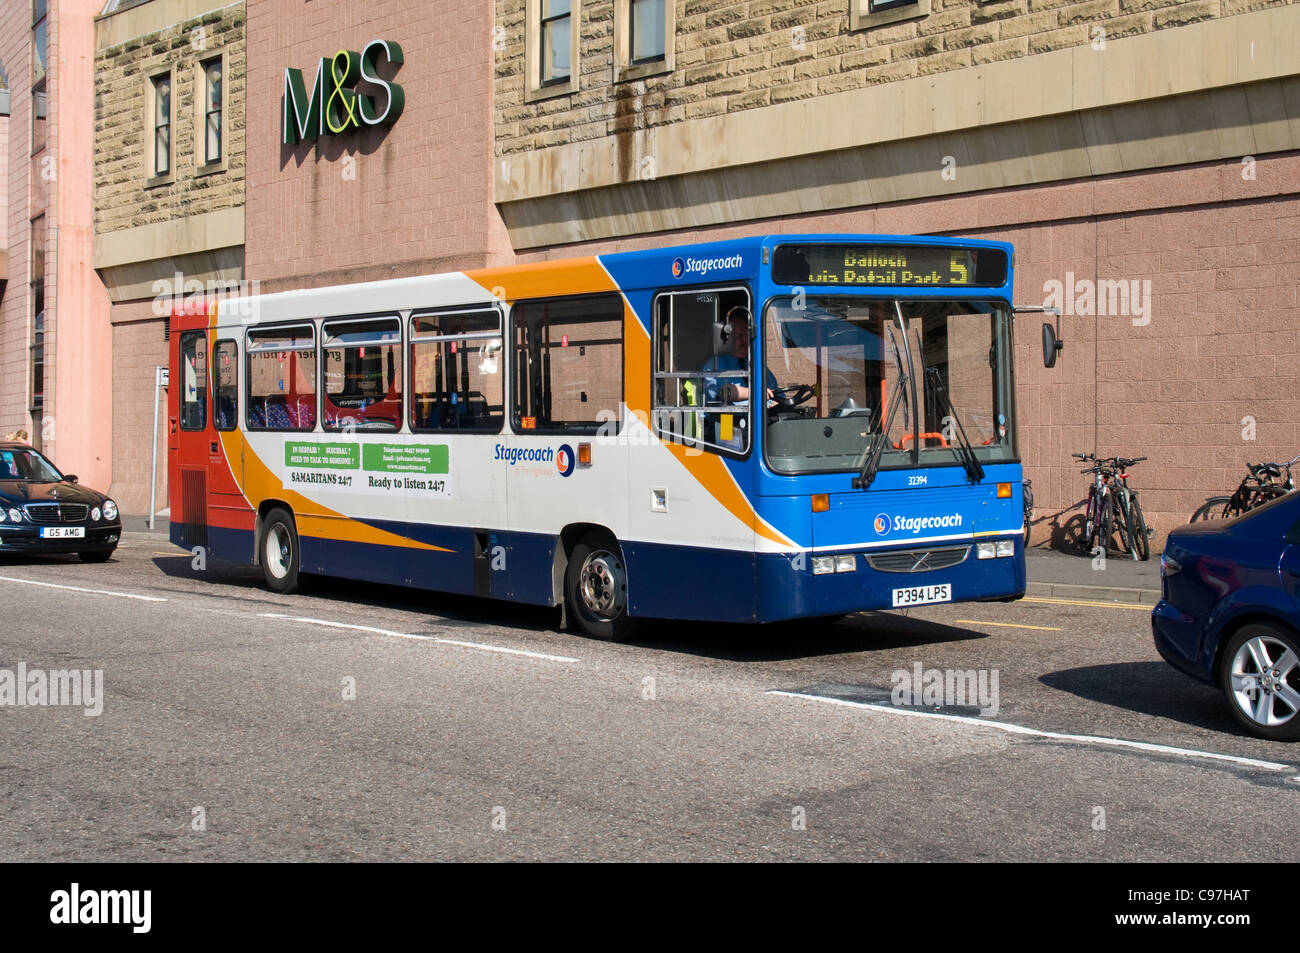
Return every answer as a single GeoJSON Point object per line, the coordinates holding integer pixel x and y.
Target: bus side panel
{"type": "Point", "coordinates": [689, 582]}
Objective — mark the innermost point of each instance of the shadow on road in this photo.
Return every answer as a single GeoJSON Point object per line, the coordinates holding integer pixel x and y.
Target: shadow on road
{"type": "Point", "coordinates": [1148, 688]}
{"type": "Point", "coordinates": [806, 638]}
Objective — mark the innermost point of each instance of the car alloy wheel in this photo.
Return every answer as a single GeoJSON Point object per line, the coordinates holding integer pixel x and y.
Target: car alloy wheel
{"type": "Point", "coordinates": [1262, 680]}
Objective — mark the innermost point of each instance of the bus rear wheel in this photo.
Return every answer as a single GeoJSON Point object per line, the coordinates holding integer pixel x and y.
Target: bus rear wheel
{"type": "Point", "coordinates": [278, 548]}
{"type": "Point", "coordinates": [595, 585]}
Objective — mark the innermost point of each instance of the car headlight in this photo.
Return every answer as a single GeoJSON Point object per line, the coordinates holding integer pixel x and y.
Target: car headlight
{"type": "Point", "coordinates": [110, 510]}
{"type": "Point", "coordinates": [94, 514]}
{"type": "Point", "coordinates": [3, 516]}
{"type": "Point", "coordinates": [16, 515]}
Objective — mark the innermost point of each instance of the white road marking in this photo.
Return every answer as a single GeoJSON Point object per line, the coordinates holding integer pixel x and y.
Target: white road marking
{"type": "Point", "coordinates": [1010, 625]}
{"type": "Point", "coordinates": [1051, 735]}
{"type": "Point", "coordinates": [98, 592]}
{"type": "Point", "coordinates": [423, 638]}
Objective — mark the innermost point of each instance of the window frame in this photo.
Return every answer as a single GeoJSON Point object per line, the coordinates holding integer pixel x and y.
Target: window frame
{"type": "Point", "coordinates": [205, 403]}
{"type": "Point", "coordinates": [322, 393]}
{"type": "Point", "coordinates": [40, 87]}
{"type": "Point", "coordinates": [516, 393]}
{"type": "Point", "coordinates": [250, 350]}
{"type": "Point", "coordinates": [215, 417]}
{"type": "Point", "coordinates": [412, 340]}
{"type": "Point", "coordinates": [203, 164]}
{"type": "Point", "coordinates": [534, 86]}
{"type": "Point", "coordinates": [154, 177]}
{"type": "Point", "coordinates": [700, 443]}
{"type": "Point", "coordinates": [625, 68]}
{"type": "Point", "coordinates": [862, 16]}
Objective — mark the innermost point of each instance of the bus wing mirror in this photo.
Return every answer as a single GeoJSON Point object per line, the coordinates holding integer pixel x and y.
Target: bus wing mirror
{"type": "Point", "coordinates": [1051, 345]}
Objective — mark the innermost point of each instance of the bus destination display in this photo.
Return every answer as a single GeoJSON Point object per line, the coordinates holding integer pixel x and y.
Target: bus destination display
{"type": "Point", "coordinates": [897, 265]}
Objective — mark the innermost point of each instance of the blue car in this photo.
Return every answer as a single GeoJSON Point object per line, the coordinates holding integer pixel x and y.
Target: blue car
{"type": "Point", "coordinates": [1230, 615]}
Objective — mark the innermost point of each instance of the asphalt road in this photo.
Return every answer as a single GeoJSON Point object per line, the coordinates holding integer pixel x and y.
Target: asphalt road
{"type": "Point", "coordinates": [371, 723]}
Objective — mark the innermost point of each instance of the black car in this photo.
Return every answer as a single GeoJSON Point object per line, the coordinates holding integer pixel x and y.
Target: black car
{"type": "Point", "coordinates": [44, 511]}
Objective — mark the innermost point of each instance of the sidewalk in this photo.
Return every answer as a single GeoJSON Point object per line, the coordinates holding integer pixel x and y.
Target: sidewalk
{"type": "Point", "coordinates": [1060, 575]}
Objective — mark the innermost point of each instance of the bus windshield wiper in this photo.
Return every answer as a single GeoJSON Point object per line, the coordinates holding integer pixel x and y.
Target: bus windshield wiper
{"type": "Point", "coordinates": [965, 452]}
{"type": "Point", "coordinates": [870, 464]}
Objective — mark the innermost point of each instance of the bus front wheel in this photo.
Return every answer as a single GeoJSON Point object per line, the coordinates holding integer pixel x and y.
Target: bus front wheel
{"type": "Point", "coordinates": [279, 551]}
{"type": "Point", "coordinates": [595, 585]}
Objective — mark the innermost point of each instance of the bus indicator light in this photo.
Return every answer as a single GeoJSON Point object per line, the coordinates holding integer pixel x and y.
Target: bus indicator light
{"type": "Point", "coordinates": [528, 423]}
{"type": "Point", "coordinates": [821, 502]}
{"type": "Point", "coordinates": [584, 455]}
{"type": "Point", "coordinates": [1004, 491]}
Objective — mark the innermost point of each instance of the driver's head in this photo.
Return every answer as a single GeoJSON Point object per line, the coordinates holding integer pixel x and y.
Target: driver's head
{"type": "Point", "coordinates": [738, 324]}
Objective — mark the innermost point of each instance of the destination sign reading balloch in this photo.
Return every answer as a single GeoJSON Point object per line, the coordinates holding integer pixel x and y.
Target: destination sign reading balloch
{"type": "Point", "coordinates": [899, 265]}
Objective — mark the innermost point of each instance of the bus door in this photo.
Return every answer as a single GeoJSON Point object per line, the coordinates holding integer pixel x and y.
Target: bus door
{"type": "Point", "coordinates": [226, 505]}
{"type": "Point", "coordinates": [190, 434]}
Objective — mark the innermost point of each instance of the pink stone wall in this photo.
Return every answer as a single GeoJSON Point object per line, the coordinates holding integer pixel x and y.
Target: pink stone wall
{"type": "Point", "coordinates": [413, 198]}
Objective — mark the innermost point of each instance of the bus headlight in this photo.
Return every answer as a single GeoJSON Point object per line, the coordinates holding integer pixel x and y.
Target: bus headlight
{"type": "Point", "coordinates": [986, 551]}
{"type": "Point", "coordinates": [823, 565]}
{"type": "Point", "coordinates": [1006, 547]}
{"type": "Point", "coordinates": [110, 510]}
{"type": "Point", "coordinates": [846, 563]}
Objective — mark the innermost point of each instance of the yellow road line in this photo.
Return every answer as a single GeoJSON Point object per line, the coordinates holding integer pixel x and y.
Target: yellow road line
{"type": "Point", "coordinates": [175, 552]}
{"type": "Point", "coordinates": [1010, 625]}
{"type": "Point", "coordinates": [1083, 602]}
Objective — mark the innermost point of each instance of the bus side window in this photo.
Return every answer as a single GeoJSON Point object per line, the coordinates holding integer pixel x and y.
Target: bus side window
{"type": "Point", "coordinates": [568, 364]}
{"type": "Point", "coordinates": [194, 380]}
{"type": "Point", "coordinates": [282, 379]}
{"type": "Point", "coordinates": [225, 388]}
{"type": "Point", "coordinates": [702, 358]}
{"type": "Point", "coordinates": [456, 371]}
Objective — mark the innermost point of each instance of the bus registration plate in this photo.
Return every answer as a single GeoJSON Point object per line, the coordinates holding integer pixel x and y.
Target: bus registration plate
{"type": "Point", "coordinates": [63, 532]}
{"type": "Point", "coordinates": [920, 595]}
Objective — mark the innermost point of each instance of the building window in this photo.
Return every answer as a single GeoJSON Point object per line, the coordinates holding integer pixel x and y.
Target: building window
{"type": "Point", "coordinates": [37, 404]}
{"type": "Point", "coordinates": [212, 111]}
{"type": "Point", "coordinates": [162, 124]}
{"type": "Point", "coordinates": [568, 364]}
{"type": "Point", "coordinates": [868, 13]}
{"type": "Point", "coordinates": [40, 73]}
{"type": "Point", "coordinates": [644, 31]}
{"type": "Point", "coordinates": [456, 371]}
{"type": "Point", "coordinates": [551, 49]}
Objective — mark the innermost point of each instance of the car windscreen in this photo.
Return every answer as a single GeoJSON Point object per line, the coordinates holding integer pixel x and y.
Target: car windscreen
{"type": "Point", "coordinates": [27, 465]}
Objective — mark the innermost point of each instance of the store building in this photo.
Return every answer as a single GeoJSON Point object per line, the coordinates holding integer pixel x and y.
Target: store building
{"type": "Point", "coordinates": [169, 196]}
{"type": "Point", "coordinates": [54, 381]}
{"type": "Point", "coordinates": [1143, 156]}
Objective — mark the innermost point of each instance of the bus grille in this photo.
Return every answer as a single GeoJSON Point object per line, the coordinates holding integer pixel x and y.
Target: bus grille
{"type": "Point", "coordinates": [918, 560]}
{"type": "Point", "coordinates": [56, 512]}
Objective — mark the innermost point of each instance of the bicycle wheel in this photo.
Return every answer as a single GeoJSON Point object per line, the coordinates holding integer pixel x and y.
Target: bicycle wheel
{"type": "Point", "coordinates": [1090, 521]}
{"type": "Point", "coordinates": [1106, 524]}
{"type": "Point", "coordinates": [1266, 494]}
{"type": "Point", "coordinates": [1215, 508]}
{"type": "Point", "coordinates": [1141, 541]}
{"type": "Point", "coordinates": [1121, 525]}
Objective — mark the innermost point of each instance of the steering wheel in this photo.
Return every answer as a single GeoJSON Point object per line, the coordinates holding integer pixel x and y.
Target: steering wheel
{"type": "Point", "coordinates": [792, 396]}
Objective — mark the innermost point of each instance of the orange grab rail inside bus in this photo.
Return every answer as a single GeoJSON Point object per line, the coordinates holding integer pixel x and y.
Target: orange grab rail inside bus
{"type": "Point", "coordinates": [943, 441]}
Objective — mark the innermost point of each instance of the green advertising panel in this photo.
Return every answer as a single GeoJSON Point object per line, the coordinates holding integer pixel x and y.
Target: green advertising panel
{"type": "Point", "coordinates": [327, 456]}
{"type": "Point", "coordinates": [398, 458]}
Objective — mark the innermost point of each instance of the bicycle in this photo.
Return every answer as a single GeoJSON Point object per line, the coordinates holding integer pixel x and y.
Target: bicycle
{"type": "Point", "coordinates": [1027, 492]}
{"type": "Point", "coordinates": [1262, 483]}
{"type": "Point", "coordinates": [1113, 509]}
{"type": "Point", "coordinates": [1128, 510]}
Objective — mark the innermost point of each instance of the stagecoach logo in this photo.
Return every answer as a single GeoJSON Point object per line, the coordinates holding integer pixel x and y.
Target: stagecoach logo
{"type": "Point", "coordinates": [334, 106]}
{"type": "Point", "coordinates": [679, 267]}
{"type": "Point", "coordinates": [564, 460]}
{"type": "Point", "coordinates": [702, 266]}
{"type": "Point", "coordinates": [882, 524]}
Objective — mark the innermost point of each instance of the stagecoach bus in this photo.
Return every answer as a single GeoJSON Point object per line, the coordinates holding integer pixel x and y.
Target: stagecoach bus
{"type": "Point", "coordinates": [750, 430]}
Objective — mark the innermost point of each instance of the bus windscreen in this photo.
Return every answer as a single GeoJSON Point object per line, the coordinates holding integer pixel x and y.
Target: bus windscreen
{"type": "Point", "coordinates": [889, 265]}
